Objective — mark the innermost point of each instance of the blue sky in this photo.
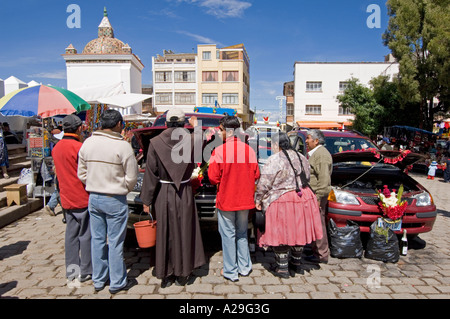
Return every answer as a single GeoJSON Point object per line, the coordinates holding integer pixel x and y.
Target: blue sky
{"type": "Point", "coordinates": [276, 34]}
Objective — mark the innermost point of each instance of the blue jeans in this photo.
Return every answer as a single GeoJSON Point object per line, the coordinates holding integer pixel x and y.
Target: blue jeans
{"type": "Point", "coordinates": [108, 219]}
{"type": "Point", "coordinates": [53, 202]}
{"type": "Point", "coordinates": [236, 254]}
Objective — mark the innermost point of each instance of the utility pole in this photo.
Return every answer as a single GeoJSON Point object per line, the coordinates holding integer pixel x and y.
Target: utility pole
{"type": "Point", "coordinates": [281, 99]}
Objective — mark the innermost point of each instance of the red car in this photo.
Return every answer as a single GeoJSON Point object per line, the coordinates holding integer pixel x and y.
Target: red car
{"type": "Point", "coordinates": [359, 169]}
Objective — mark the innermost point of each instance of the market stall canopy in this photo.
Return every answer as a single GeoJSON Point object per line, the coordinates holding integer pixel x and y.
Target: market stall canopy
{"type": "Point", "coordinates": [124, 100]}
{"type": "Point", "coordinates": [93, 93]}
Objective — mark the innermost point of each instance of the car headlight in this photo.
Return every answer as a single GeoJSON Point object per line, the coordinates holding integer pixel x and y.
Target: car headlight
{"type": "Point", "coordinates": [423, 199]}
{"type": "Point", "coordinates": [342, 197]}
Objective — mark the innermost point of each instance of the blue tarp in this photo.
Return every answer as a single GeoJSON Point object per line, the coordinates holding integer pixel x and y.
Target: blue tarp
{"type": "Point", "coordinates": [410, 128]}
{"type": "Point", "coordinates": [216, 110]}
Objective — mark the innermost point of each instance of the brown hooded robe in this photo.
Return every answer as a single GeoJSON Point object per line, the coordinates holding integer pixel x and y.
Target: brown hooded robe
{"type": "Point", "coordinates": [179, 246]}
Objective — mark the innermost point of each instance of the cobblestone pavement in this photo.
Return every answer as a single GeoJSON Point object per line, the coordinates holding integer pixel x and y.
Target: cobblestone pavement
{"type": "Point", "coordinates": [32, 266]}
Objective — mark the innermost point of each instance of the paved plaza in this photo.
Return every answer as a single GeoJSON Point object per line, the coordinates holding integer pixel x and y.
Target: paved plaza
{"type": "Point", "coordinates": [32, 266]}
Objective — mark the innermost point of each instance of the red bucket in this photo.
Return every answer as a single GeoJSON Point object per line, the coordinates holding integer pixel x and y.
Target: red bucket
{"type": "Point", "coordinates": [145, 233]}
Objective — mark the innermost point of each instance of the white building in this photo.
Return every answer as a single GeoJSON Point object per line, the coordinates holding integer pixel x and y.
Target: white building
{"type": "Point", "coordinates": [317, 85]}
{"type": "Point", "coordinates": [174, 81]}
{"type": "Point", "coordinates": [106, 67]}
{"type": "Point", "coordinates": [12, 84]}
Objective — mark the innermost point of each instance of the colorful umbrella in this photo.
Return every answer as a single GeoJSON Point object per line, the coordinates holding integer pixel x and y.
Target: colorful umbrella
{"type": "Point", "coordinates": [42, 100]}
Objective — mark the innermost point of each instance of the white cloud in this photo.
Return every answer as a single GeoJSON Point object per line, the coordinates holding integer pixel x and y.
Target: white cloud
{"type": "Point", "coordinates": [222, 8]}
{"type": "Point", "coordinates": [199, 38]}
{"type": "Point", "coordinates": [49, 75]}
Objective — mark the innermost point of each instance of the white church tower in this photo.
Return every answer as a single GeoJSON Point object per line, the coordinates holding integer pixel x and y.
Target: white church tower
{"type": "Point", "coordinates": [106, 67]}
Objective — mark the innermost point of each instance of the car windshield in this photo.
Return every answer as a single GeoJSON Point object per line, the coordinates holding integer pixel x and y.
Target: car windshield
{"type": "Point", "coordinates": [342, 144]}
{"type": "Point", "coordinates": [205, 121]}
{"type": "Point", "coordinates": [262, 144]}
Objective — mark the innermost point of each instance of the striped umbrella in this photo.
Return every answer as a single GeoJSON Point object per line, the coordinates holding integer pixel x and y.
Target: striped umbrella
{"type": "Point", "coordinates": [42, 100]}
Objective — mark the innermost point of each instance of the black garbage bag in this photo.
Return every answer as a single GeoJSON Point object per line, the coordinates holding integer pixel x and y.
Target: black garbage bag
{"type": "Point", "coordinates": [382, 244]}
{"type": "Point", "coordinates": [345, 242]}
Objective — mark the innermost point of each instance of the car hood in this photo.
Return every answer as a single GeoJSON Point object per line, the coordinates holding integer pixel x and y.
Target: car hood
{"type": "Point", "coordinates": [401, 159]}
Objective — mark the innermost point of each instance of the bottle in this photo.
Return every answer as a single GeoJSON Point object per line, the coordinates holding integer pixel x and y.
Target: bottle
{"type": "Point", "coordinates": [404, 244]}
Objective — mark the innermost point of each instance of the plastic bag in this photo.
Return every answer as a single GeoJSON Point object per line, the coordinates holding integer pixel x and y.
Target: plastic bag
{"type": "Point", "coordinates": [26, 177]}
{"type": "Point", "coordinates": [382, 244]}
{"type": "Point", "coordinates": [345, 242]}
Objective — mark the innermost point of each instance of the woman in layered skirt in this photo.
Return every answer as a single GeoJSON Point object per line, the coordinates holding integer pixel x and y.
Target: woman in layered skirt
{"type": "Point", "coordinates": [292, 212]}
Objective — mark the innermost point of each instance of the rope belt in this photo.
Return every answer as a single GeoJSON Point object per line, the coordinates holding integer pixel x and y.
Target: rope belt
{"type": "Point", "coordinates": [168, 182]}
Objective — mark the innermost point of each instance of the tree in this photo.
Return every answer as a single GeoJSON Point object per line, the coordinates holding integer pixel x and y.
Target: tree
{"type": "Point", "coordinates": [361, 102]}
{"type": "Point", "coordinates": [418, 35]}
{"type": "Point", "coordinates": [387, 95]}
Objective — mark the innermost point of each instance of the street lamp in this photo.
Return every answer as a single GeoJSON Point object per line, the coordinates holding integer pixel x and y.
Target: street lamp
{"type": "Point", "coordinates": [281, 99]}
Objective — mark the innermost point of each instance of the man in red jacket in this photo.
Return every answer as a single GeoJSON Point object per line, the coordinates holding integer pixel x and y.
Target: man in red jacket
{"type": "Point", "coordinates": [234, 169]}
{"type": "Point", "coordinates": [74, 200]}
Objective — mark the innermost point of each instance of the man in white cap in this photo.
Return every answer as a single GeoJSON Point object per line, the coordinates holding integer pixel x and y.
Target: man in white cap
{"type": "Point", "coordinates": [167, 191]}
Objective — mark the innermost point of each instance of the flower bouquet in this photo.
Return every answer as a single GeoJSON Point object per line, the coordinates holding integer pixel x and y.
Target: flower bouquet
{"type": "Point", "coordinates": [392, 206]}
{"type": "Point", "coordinates": [197, 176]}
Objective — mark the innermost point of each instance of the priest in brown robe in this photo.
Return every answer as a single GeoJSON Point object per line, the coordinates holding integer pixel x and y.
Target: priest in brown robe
{"type": "Point", "coordinates": [167, 190]}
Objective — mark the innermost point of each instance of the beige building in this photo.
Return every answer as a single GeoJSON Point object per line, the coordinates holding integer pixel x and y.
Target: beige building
{"type": "Point", "coordinates": [224, 76]}
{"type": "Point", "coordinates": [212, 77]}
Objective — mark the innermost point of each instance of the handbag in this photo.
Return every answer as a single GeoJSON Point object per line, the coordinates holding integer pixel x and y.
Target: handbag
{"type": "Point", "coordinates": [259, 220]}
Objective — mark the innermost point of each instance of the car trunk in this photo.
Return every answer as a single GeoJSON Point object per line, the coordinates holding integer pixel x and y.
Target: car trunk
{"type": "Point", "coordinates": [364, 172]}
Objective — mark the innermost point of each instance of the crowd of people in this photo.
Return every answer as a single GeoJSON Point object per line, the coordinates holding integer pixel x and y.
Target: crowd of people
{"type": "Point", "coordinates": [94, 177]}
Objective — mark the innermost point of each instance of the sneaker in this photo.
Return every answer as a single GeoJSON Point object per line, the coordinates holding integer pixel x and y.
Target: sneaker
{"type": "Point", "coordinates": [130, 283]}
{"type": "Point", "coordinates": [97, 289]}
{"type": "Point", "coordinates": [49, 211]}
{"type": "Point", "coordinates": [84, 278]}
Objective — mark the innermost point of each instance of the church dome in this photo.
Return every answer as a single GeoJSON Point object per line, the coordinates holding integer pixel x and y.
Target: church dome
{"type": "Point", "coordinates": [104, 46]}
{"type": "Point", "coordinates": [106, 43]}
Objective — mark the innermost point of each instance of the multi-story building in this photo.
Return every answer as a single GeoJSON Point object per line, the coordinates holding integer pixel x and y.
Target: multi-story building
{"type": "Point", "coordinates": [317, 85]}
{"type": "Point", "coordinates": [212, 77]}
{"type": "Point", "coordinates": [174, 81]}
{"type": "Point", "coordinates": [224, 78]}
{"type": "Point", "coordinates": [288, 92]}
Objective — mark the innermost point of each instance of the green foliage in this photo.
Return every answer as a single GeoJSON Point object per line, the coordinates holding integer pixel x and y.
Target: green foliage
{"type": "Point", "coordinates": [418, 35]}
{"type": "Point", "coordinates": [361, 102]}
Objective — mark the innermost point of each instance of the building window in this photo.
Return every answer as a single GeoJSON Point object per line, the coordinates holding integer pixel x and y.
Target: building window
{"type": "Point", "coordinates": [230, 98]}
{"type": "Point", "coordinates": [184, 76]}
{"type": "Point", "coordinates": [206, 55]}
{"type": "Point", "coordinates": [163, 76]}
{"type": "Point", "coordinates": [209, 98]}
{"type": "Point", "coordinates": [313, 86]}
{"type": "Point", "coordinates": [289, 109]}
{"type": "Point", "coordinates": [343, 86]}
{"type": "Point", "coordinates": [210, 76]}
{"type": "Point", "coordinates": [313, 109]}
{"type": "Point", "coordinates": [346, 111]}
{"type": "Point", "coordinates": [230, 76]}
{"type": "Point", "coordinates": [163, 98]}
{"type": "Point", "coordinates": [185, 98]}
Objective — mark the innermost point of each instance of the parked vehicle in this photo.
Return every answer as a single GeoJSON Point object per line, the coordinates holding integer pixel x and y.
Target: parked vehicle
{"type": "Point", "coordinates": [359, 169]}
{"type": "Point", "coordinates": [205, 193]}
